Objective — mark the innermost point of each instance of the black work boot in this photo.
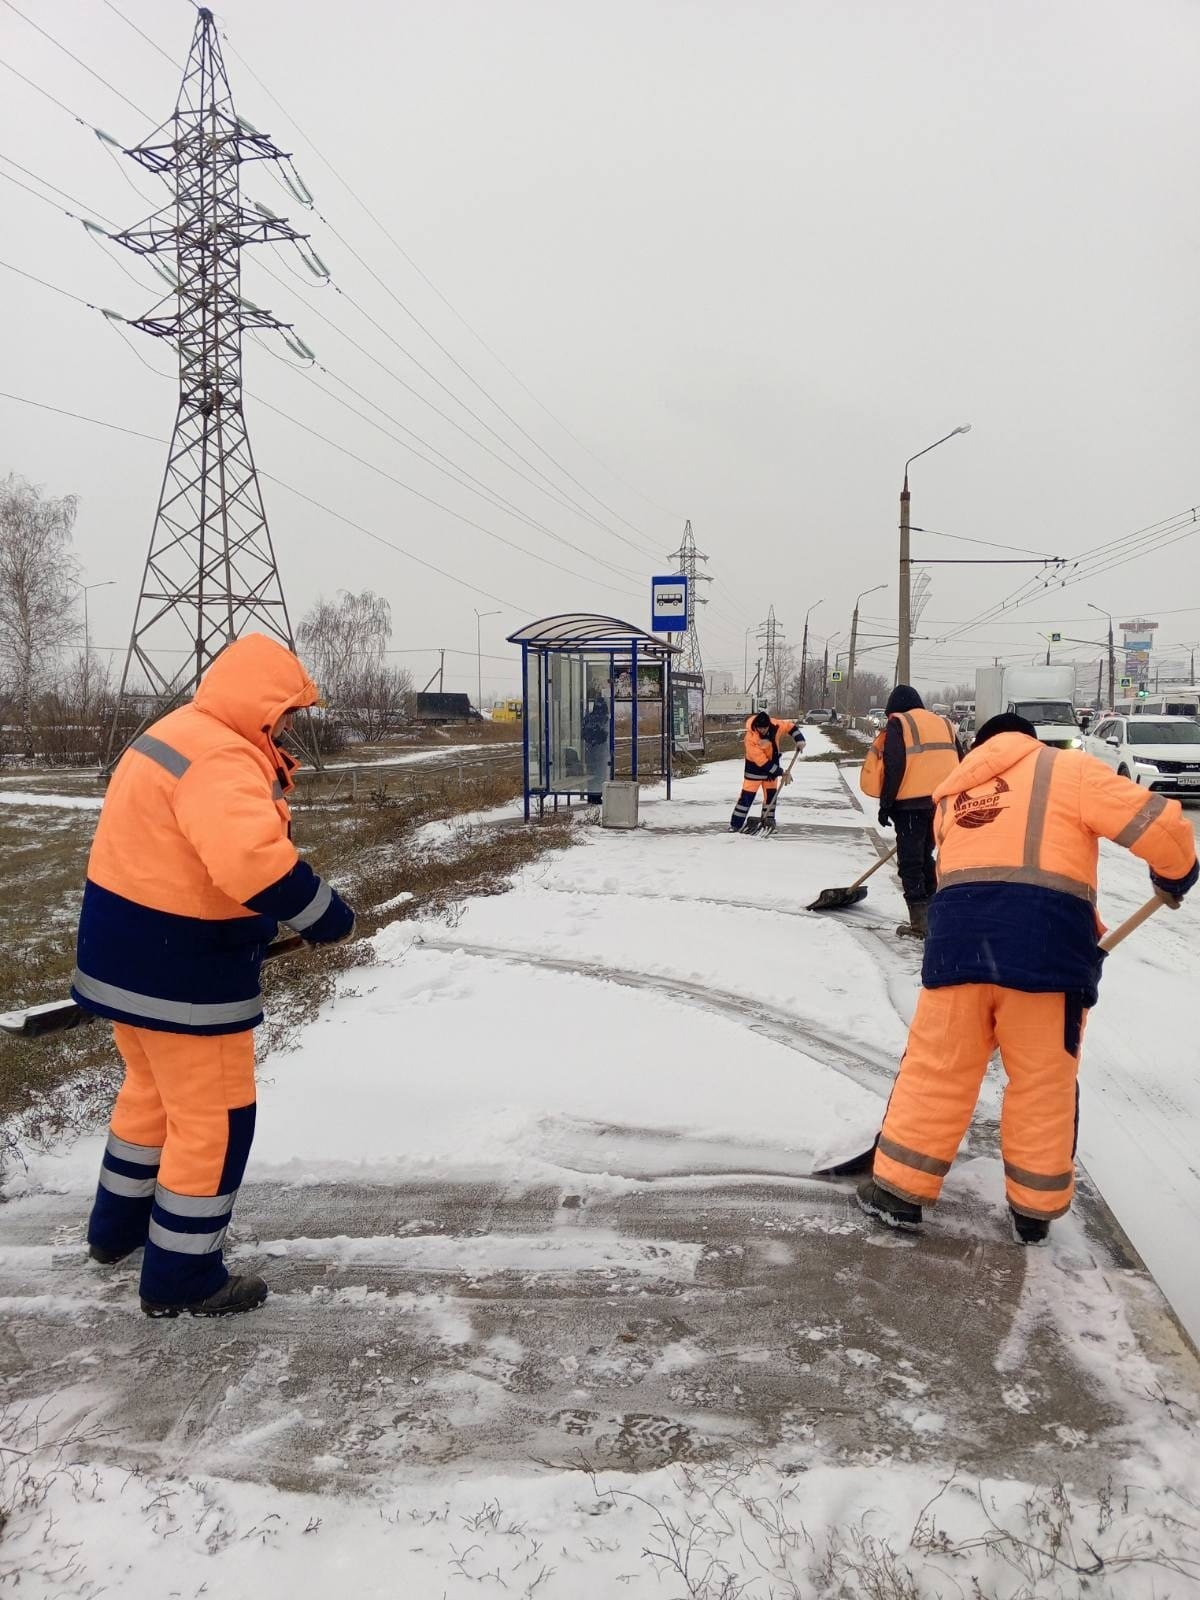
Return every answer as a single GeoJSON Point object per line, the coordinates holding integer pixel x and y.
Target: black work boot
{"type": "Point", "coordinates": [236, 1294]}
{"type": "Point", "coordinates": [109, 1258]}
{"type": "Point", "coordinates": [1029, 1230]}
{"type": "Point", "coordinates": [918, 917]}
{"type": "Point", "coordinates": [887, 1207]}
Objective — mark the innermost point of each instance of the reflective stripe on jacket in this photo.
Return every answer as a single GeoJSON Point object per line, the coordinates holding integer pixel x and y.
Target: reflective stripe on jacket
{"type": "Point", "coordinates": [930, 754]}
{"type": "Point", "coordinates": [1017, 829]}
{"type": "Point", "coordinates": [762, 751]}
{"type": "Point", "coordinates": [193, 868]}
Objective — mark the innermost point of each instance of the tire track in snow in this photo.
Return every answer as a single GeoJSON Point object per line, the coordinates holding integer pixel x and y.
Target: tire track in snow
{"type": "Point", "coordinates": [869, 1069]}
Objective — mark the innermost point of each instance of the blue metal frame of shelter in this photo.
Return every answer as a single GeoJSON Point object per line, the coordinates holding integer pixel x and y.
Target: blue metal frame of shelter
{"type": "Point", "coordinates": [584, 637]}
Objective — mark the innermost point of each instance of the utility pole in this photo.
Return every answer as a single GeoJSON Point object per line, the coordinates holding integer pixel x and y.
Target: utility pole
{"type": "Point", "coordinates": [104, 583]}
{"type": "Point", "coordinates": [854, 646]}
{"type": "Point", "coordinates": [211, 573]}
{"type": "Point", "coordinates": [686, 558]}
{"type": "Point", "coordinates": [804, 658]}
{"type": "Point", "coordinates": [904, 653]}
{"type": "Point", "coordinates": [825, 670]}
{"type": "Point", "coordinates": [479, 616]}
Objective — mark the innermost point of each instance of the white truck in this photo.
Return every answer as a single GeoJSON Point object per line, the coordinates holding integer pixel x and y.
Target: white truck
{"type": "Point", "coordinates": [1042, 695]}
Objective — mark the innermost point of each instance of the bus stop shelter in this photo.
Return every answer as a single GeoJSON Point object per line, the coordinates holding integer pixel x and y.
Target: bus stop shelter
{"type": "Point", "coordinates": [596, 705]}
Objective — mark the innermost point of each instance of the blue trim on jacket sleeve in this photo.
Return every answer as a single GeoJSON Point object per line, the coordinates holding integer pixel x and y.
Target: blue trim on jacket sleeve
{"type": "Point", "coordinates": [1019, 935]}
{"type": "Point", "coordinates": [1177, 886]}
{"type": "Point", "coordinates": [287, 896]}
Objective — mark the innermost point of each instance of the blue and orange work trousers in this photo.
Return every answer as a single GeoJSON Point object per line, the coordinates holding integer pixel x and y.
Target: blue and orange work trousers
{"type": "Point", "coordinates": [769, 787]}
{"type": "Point", "coordinates": [953, 1034]}
{"type": "Point", "coordinates": [178, 1141]}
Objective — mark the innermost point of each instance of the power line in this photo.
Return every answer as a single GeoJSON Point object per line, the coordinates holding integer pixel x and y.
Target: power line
{"type": "Point", "coordinates": [369, 533]}
{"type": "Point", "coordinates": [546, 487]}
{"type": "Point", "coordinates": [76, 59]}
{"type": "Point", "coordinates": [399, 248]}
{"type": "Point", "coordinates": [151, 42]}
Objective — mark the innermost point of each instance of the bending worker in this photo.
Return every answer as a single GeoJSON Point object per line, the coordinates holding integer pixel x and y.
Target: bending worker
{"type": "Point", "coordinates": [1013, 960]}
{"type": "Point", "coordinates": [763, 771]}
{"type": "Point", "coordinates": [192, 872]}
{"type": "Point", "coordinates": [914, 752]}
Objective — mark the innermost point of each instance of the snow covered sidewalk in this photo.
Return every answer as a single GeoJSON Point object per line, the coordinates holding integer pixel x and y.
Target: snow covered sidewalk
{"type": "Point", "coordinates": [557, 1309]}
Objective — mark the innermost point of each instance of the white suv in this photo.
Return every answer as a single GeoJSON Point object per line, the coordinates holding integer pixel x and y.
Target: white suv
{"type": "Point", "coordinates": [1160, 753]}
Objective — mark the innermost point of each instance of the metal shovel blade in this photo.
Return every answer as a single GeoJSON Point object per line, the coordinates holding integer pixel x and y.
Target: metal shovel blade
{"type": "Point", "coordinates": [38, 1021]}
{"type": "Point", "coordinates": [838, 899]}
{"type": "Point", "coordinates": [853, 1166]}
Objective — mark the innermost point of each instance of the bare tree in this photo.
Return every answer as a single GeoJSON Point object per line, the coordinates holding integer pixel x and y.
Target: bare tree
{"type": "Point", "coordinates": [37, 600]}
{"type": "Point", "coordinates": [375, 701]}
{"type": "Point", "coordinates": [341, 637]}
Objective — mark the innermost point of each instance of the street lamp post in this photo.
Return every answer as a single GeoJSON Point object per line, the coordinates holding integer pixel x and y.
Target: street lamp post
{"type": "Point", "coordinates": [804, 657]}
{"type": "Point", "coordinates": [105, 583]}
{"type": "Point", "coordinates": [1112, 655]}
{"type": "Point", "coordinates": [903, 656]}
{"type": "Point", "coordinates": [479, 616]}
{"type": "Point", "coordinates": [854, 646]}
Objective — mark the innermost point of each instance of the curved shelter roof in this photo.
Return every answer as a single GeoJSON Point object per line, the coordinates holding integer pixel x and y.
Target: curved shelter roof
{"type": "Point", "coordinates": [581, 630]}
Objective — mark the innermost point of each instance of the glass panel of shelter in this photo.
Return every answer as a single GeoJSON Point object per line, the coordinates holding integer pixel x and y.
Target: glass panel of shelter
{"type": "Point", "coordinates": [534, 692]}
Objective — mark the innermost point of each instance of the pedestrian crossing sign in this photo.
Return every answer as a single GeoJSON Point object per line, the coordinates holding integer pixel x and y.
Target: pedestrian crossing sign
{"type": "Point", "coordinates": [835, 677]}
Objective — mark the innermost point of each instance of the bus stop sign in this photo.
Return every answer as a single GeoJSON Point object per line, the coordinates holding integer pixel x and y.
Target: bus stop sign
{"type": "Point", "coordinates": [669, 604]}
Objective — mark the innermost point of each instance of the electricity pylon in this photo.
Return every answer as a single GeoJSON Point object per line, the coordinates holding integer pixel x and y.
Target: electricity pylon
{"type": "Point", "coordinates": [211, 573]}
{"type": "Point", "coordinates": [770, 637]}
{"type": "Point", "coordinates": [686, 558]}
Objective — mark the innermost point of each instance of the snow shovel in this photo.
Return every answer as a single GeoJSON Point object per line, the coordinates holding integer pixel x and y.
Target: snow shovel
{"type": "Point", "coordinates": [839, 899]}
{"type": "Point", "coordinates": [59, 1015]}
{"type": "Point", "coordinates": [856, 1165]}
{"type": "Point", "coordinates": [1131, 924]}
{"type": "Point", "coordinates": [766, 823]}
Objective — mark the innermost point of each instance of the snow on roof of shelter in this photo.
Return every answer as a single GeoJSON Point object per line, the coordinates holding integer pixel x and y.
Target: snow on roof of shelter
{"type": "Point", "coordinates": [581, 628]}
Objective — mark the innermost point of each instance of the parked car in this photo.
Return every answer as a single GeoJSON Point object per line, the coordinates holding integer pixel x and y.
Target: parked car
{"type": "Point", "coordinates": [876, 717]}
{"type": "Point", "coordinates": [966, 729]}
{"type": "Point", "coordinates": [1160, 753]}
{"type": "Point", "coordinates": [821, 714]}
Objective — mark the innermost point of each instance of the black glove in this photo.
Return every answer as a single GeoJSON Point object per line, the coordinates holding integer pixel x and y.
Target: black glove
{"type": "Point", "coordinates": [885, 817]}
{"type": "Point", "coordinates": [1174, 889]}
{"type": "Point", "coordinates": [336, 922]}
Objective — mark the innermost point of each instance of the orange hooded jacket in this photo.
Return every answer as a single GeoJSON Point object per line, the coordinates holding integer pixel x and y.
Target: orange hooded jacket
{"type": "Point", "coordinates": [1018, 828]}
{"type": "Point", "coordinates": [193, 867]}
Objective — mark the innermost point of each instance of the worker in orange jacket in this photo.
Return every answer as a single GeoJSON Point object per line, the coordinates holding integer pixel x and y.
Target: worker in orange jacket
{"type": "Point", "coordinates": [763, 771]}
{"type": "Point", "coordinates": [191, 874]}
{"type": "Point", "coordinates": [919, 751]}
{"type": "Point", "coordinates": [1013, 960]}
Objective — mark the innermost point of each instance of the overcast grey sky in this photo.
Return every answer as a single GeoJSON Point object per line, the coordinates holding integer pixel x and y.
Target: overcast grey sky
{"type": "Point", "coordinates": [753, 255]}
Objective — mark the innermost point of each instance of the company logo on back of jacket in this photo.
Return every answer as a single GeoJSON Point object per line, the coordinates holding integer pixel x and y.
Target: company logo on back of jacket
{"type": "Point", "coordinates": [976, 810]}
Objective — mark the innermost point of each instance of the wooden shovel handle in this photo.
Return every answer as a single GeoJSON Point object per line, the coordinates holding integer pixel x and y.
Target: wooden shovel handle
{"type": "Point", "coordinates": [1131, 924]}
{"type": "Point", "coordinates": [882, 862]}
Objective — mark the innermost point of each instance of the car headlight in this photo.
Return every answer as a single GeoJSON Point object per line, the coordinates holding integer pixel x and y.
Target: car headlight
{"type": "Point", "coordinates": [1070, 744]}
{"type": "Point", "coordinates": [1146, 766]}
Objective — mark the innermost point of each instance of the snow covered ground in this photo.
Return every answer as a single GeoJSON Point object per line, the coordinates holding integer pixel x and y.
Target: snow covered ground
{"type": "Point", "coordinates": [559, 1311]}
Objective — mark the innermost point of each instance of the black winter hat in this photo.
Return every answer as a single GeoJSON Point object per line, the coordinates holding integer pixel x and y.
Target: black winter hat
{"type": "Point", "coordinates": [904, 698]}
{"type": "Point", "coordinates": [761, 720]}
{"type": "Point", "coordinates": [1006, 722]}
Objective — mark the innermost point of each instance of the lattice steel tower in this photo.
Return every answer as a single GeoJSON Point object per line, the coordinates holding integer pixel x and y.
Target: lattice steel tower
{"type": "Point", "coordinates": [211, 573]}
{"type": "Point", "coordinates": [770, 636]}
{"type": "Point", "coordinates": [686, 558]}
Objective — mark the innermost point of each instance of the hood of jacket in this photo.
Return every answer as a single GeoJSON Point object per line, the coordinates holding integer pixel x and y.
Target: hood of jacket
{"type": "Point", "coordinates": [987, 762]}
{"type": "Point", "coordinates": [251, 684]}
{"type": "Point", "coordinates": [904, 698]}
